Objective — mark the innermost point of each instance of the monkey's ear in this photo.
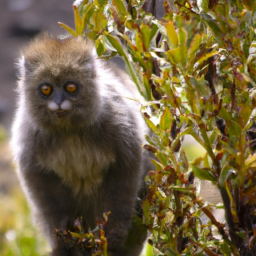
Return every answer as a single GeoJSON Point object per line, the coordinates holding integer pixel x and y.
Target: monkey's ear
{"type": "Point", "coordinates": [28, 64]}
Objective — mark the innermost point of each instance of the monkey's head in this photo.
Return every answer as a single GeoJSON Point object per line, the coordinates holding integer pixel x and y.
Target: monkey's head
{"type": "Point", "coordinates": [58, 82]}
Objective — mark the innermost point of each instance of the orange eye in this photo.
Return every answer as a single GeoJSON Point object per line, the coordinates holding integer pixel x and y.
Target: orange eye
{"type": "Point", "coordinates": [46, 89]}
{"type": "Point", "coordinates": [71, 87]}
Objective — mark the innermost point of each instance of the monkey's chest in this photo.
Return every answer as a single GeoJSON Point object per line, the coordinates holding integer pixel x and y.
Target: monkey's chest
{"type": "Point", "coordinates": [79, 165]}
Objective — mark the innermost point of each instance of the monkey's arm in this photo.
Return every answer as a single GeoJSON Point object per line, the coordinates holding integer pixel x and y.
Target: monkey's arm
{"type": "Point", "coordinates": [52, 204]}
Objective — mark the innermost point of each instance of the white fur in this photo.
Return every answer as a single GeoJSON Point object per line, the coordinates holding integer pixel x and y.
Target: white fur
{"type": "Point", "coordinates": [66, 105]}
{"type": "Point", "coordinates": [21, 66]}
{"type": "Point", "coordinates": [78, 164]}
{"type": "Point", "coordinates": [52, 106]}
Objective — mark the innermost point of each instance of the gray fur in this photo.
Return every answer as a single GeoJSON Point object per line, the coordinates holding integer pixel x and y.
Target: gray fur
{"type": "Point", "coordinates": [91, 160]}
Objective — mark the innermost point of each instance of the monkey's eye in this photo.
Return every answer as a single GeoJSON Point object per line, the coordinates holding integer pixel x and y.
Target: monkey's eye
{"type": "Point", "coordinates": [46, 89]}
{"type": "Point", "coordinates": [71, 87]}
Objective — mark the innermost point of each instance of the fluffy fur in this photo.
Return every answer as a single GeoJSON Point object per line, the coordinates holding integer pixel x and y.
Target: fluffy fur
{"type": "Point", "coordinates": [85, 162]}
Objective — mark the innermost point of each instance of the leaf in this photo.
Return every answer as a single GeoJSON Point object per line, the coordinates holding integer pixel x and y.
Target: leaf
{"type": "Point", "coordinates": [224, 114]}
{"type": "Point", "coordinates": [183, 190]}
{"type": "Point", "coordinates": [146, 211]}
{"type": "Point", "coordinates": [204, 174]}
{"type": "Point", "coordinates": [151, 125]}
{"type": "Point", "coordinates": [154, 30]}
{"type": "Point", "coordinates": [212, 24]}
{"type": "Point", "coordinates": [70, 30]}
{"type": "Point", "coordinates": [182, 36]}
{"type": "Point", "coordinates": [78, 20]}
{"type": "Point", "coordinates": [249, 4]}
{"type": "Point", "coordinates": [99, 47]}
{"type": "Point", "coordinates": [171, 33]}
{"type": "Point", "coordinates": [206, 56]}
{"type": "Point", "coordinates": [172, 6]}
{"type": "Point", "coordinates": [223, 175]}
{"type": "Point", "coordinates": [194, 46]}
{"type": "Point", "coordinates": [136, 55]}
{"type": "Point", "coordinates": [174, 56]}
{"type": "Point", "coordinates": [116, 44]}
{"type": "Point", "coordinates": [165, 121]}
{"type": "Point", "coordinates": [146, 35]}
{"type": "Point", "coordinates": [139, 43]}
{"type": "Point", "coordinates": [120, 6]}
{"type": "Point", "coordinates": [162, 158]}
{"type": "Point", "coordinates": [251, 161]}
{"type": "Point", "coordinates": [88, 14]}
{"type": "Point", "coordinates": [200, 86]}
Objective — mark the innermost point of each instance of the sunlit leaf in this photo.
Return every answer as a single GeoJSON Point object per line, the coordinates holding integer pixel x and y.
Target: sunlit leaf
{"type": "Point", "coordinates": [204, 174]}
{"type": "Point", "coordinates": [171, 33]}
{"type": "Point", "coordinates": [78, 20]}
{"type": "Point", "coordinates": [165, 121]}
{"type": "Point", "coordinates": [88, 14]}
{"type": "Point", "coordinates": [182, 36]}
{"type": "Point", "coordinates": [146, 34]}
{"type": "Point", "coordinates": [119, 4]}
{"type": "Point", "coordinates": [174, 55]}
{"type": "Point", "coordinates": [70, 30]}
{"type": "Point", "coordinates": [99, 47]}
{"type": "Point", "coordinates": [194, 46]}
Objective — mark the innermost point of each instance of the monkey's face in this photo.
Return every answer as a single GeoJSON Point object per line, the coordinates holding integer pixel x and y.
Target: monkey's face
{"type": "Point", "coordinates": [59, 87]}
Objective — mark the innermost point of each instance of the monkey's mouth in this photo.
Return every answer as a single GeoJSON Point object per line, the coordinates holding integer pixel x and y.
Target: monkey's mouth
{"type": "Point", "coordinates": [61, 113]}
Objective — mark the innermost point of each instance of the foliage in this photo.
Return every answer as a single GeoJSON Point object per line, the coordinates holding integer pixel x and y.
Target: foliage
{"type": "Point", "coordinates": [17, 235]}
{"type": "Point", "coordinates": [196, 68]}
{"type": "Point", "coordinates": [94, 242]}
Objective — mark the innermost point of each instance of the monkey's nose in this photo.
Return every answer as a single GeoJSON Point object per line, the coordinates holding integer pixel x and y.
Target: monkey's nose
{"type": "Point", "coordinates": [61, 113]}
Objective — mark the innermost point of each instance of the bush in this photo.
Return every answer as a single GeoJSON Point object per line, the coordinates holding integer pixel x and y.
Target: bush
{"type": "Point", "coordinates": [196, 68]}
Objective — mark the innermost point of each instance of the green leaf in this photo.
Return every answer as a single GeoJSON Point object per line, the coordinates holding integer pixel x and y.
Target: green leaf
{"type": "Point", "coordinates": [135, 54]}
{"type": "Point", "coordinates": [165, 121]}
{"type": "Point", "coordinates": [251, 161]}
{"type": "Point", "coordinates": [78, 20]}
{"type": "Point", "coordinates": [162, 158]}
{"type": "Point", "coordinates": [224, 114]}
{"type": "Point", "coordinates": [171, 33]}
{"type": "Point", "coordinates": [99, 47]}
{"type": "Point", "coordinates": [151, 125]}
{"type": "Point", "coordinates": [207, 56]}
{"type": "Point", "coordinates": [146, 35]}
{"type": "Point", "coordinates": [174, 56]}
{"type": "Point", "coordinates": [223, 175]}
{"type": "Point", "coordinates": [139, 43]}
{"type": "Point", "coordinates": [120, 6]}
{"type": "Point", "coordinates": [183, 190]}
{"type": "Point", "coordinates": [88, 12]}
{"type": "Point", "coordinates": [154, 30]}
{"type": "Point", "coordinates": [194, 46]}
{"type": "Point", "coordinates": [213, 25]}
{"type": "Point", "coordinates": [172, 6]}
{"type": "Point", "coordinates": [70, 30]}
{"type": "Point", "coordinates": [182, 36]}
{"type": "Point", "coordinates": [204, 174]}
{"type": "Point", "coordinates": [200, 86]}
{"type": "Point", "coordinates": [146, 211]}
{"type": "Point", "coordinates": [116, 44]}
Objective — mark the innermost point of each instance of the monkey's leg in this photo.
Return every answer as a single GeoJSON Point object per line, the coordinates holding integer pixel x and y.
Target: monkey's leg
{"type": "Point", "coordinates": [119, 192]}
{"type": "Point", "coordinates": [136, 238]}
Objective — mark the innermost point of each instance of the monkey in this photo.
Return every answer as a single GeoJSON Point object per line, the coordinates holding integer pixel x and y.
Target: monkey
{"type": "Point", "coordinates": [77, 139]}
